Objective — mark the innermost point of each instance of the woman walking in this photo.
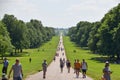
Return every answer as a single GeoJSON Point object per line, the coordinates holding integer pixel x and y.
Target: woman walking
{"type": "Point", "coordinates": [84, 68]}
{"type": "Point", "coordinates": [44, 65]}
{"type": "Point", "coordinates": [106, 72]}
{"type": "Point", "coordinates": [61, 64]}
{"type": "Point", "coordinates": [68, 64]}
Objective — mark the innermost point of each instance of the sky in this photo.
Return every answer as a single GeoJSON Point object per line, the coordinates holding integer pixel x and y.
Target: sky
{"type": "Point", "coordinates": [57, 13]}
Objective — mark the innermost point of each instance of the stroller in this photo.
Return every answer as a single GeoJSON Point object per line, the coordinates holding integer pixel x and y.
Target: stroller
{"type": "Point", "coordinates": [4, 77]}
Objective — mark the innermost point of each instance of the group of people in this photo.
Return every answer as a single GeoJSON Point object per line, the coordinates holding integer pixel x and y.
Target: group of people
{"type": "Point", "coordinates": [62, 64]}
{"type": "Point", "coordinates": [80, 67]}
{"type": "Point", "coordinates": [18, 73]}
{"type": "Point", "coordinates": [16, 68]}
{"type": "Point", "coordinates": [77, 66]}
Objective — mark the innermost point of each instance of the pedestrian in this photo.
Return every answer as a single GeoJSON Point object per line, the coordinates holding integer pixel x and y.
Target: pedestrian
{"type": "Point", "coordinates": [78, 68]}
{"type": "Point", "coordinates": [5, 66]}
{"type": "Point", "coordinates": [84, 68]}
{"type": "Point", "coordinates": [64, 60]}
{"type": "Point", "coordinates": [75, 66]}
{"type": "Point", "coordinates": [54, 58]}
{"type": "Point", "coordinates": [61, 49]}
{"type": "Point", "coordinates": [63, 54]}
{"type": "Point", "coordinates": [17, 70]}
{"type": "Point", "coordinates": [61, 64]}
{"type": "Point", "coordinates": [68, 64]}
{"type": "Point", "coordinates": [107, 72]}
{"type": "Point", "coordinates": [30, 60]}
{"type": "Point", "coordinates": [44, 66]}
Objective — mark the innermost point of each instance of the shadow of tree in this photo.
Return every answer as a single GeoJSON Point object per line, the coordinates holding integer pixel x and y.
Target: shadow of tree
{"type": "Point", "coordinates": [103, 59]}
{"type": "Point", "coordinates": [100, 59]}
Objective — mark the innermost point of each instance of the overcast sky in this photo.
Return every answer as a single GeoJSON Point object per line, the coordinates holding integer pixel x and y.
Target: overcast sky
{"type": "Point", "coordinates": [57, 13]}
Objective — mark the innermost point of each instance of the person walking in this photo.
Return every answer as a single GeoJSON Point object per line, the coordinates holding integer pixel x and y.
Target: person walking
{"type": "Point", "coordinates": [107, 72]}
{"type": "Point", "coordinates": [63, 54]}
{"type": "Point", "coordinates": [68, 64]}
{"type": "Point", "coordinates": [75, 66]}
{"type": "Point", "coordinates": [84, 68]}
{"type": "Point", "coordinates": [54, 58]}
{"type": "Point", "coordinates": [78, 68]}
{"type": "Point", "coordinates": [5, 66]}
{"type": "Point", "coordinates": [44, 66]}
{"type": "Point", "coordinates": [61, 64]}
{"type": "Point", "coordinates": [30, 59]}
{"type": "Point", "coordinates": [17, 70]}
{"type": "Point", "coordinates": [64, 60]}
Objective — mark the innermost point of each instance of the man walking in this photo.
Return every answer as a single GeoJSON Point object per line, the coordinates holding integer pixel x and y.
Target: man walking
{"type": "Point", "coordinates": [68, 64]}
{"type": "Point", "coordinates": [44, 66]}
{"type": "Point", "coordinates": [5, 66]}
{"type": "Point", "coordinates": [77, 67]}
{"type": "Point", "coordinates": [84, 68]}
{"type": "Point", "coordinates": [17, 71]}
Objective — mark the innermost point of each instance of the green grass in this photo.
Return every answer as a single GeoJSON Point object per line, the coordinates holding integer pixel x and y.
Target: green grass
{"type": "Point", "coordinates": [46, 51]}
{"type": "Point", "coordinates": [95, 62]}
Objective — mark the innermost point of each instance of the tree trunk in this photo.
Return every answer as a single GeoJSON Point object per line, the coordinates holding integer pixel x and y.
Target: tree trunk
{"type": "Point", "coordinates": [118, 56]}
{"type": "Point", "coordinates": [21, 50]}
{"type": "Point", "coordinates": [15, 50]}
{"type": "Point", "coordinates": [18, 51]}
{"type": "Point", "coordinates": [2, 55]}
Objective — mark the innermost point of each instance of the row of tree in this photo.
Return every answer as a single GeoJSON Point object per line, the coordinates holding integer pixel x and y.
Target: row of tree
{"type": "Point", "coordinates": [17, 34]}
{"type": "Point", "coordinates": [101, 37]}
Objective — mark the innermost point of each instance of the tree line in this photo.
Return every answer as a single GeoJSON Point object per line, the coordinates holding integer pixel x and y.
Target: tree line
{"type": "Point", "coordinates": [102, 37]}
{"type": "Point", "coordinates": [17, 34]}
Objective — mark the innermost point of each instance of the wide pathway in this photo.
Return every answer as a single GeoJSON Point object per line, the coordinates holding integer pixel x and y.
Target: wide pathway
{"type": "Point", "coordinates": [53, 71]}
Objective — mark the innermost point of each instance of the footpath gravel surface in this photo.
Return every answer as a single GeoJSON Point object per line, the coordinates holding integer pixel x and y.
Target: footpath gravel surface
{"type": "Point", "coordinates": [53, 70]}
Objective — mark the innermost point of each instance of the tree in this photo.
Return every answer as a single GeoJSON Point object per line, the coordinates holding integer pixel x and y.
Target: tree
{"type": "Point", "coordinates": [93, 37]}
{"type": "Point", "coordinates": [38, 34]}
{"type": "Point", "coordinates": [5, 44]}
{"type": "Point", "coordinates": [107, 30]}
{"type": "Point", "coordinates": [80, 33]}
{"type": "Point", "coordinates": [104, 36]}
{"type": "Point", "coordinates": [20, 40]}
{"type": "Point", "coordinates": [72, 33]}
{"type": "Point", "coordinates": [116, 39]}
{"type": "Point", "coordinates": [27, 35]}
{"type": "Point", "coordinates": [17, 30]}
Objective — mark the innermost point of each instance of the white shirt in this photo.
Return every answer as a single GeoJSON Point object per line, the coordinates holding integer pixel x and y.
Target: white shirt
{"type": "Point", "coordinates": [84, 65]}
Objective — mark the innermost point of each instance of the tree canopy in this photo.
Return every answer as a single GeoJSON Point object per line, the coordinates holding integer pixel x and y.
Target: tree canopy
{"type": "Point", "coordinates": [80, 33]}
{"type": "Point", "coordinates": [26, 34]}
{"type": "Point", "coordinates": [101, 37]}
{"type": "Point", "coordinates": [5, 42]}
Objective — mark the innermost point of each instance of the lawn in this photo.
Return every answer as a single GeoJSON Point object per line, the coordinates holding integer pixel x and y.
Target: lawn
{"type": "Point", "coordinates": [95, 62]}
{"type": "Point", "coordinates": [46, 51]}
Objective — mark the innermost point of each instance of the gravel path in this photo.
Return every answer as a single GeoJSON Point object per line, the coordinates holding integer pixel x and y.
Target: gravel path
{"type": "Point", "coordinates": [53, 71]}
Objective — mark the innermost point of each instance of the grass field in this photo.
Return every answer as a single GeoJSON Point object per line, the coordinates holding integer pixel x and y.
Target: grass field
{"type": "Point", "coordinates": [95, 62]}
{"type": "Point", "coordinates": [46, 51]}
